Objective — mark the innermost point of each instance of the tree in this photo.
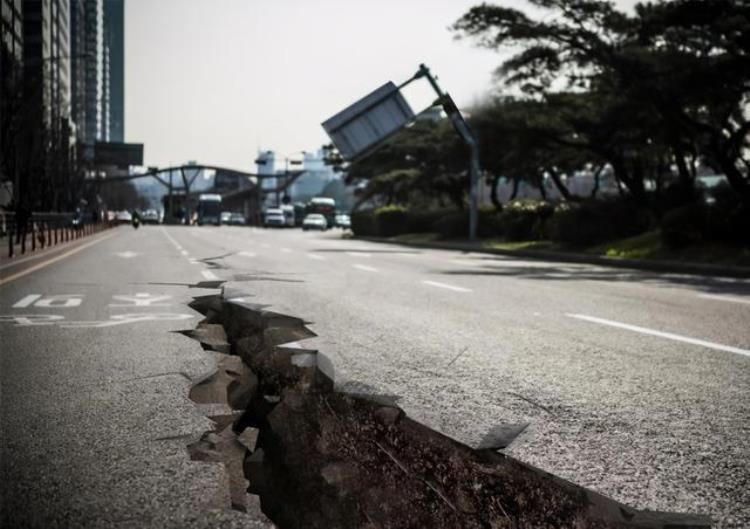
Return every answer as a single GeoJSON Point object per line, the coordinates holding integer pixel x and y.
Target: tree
{"type": "Point", "coordinates": [681, 66]}
{"type": "Point", "coordinates": [422, 163]}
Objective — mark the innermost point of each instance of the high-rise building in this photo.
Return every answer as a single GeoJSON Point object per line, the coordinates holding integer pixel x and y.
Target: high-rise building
{"type": "Point", "coordinates": [114, 40]}
{"type": "Point", "coordinates": [87, 39]}
{"type": "Point", "coordinates": [98, 63]}
{"type": "Point", "coordinates": [47, 131]}
{"type": "Point", "coordinates": [11, 64]}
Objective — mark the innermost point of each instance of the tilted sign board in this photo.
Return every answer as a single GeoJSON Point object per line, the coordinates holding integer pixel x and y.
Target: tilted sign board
{"type": "Point", "coordinates": [370, 120]}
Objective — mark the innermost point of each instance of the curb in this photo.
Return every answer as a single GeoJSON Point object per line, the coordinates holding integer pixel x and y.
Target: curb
{"type": "Point", "coordinates": [675, 267]}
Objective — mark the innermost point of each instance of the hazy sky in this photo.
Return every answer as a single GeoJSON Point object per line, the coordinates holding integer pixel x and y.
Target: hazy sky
{"type": "Point", "coordinates": [216, 80]}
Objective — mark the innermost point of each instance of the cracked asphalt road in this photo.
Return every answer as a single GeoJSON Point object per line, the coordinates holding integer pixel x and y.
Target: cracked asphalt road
{"type": "Point", "coordinates": [635, 384]}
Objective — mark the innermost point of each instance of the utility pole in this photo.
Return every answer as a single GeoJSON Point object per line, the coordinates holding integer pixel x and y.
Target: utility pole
{"type": "Point", "coordinates": [463, 130]}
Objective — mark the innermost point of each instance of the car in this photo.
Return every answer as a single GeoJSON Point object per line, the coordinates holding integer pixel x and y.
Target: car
{"type": "Point", "coordinates": [237, 219]}
{"type": "Point", "coordinates": [274, 217]}
{"type": "Point", "coordinates": [315, 221]}
{"type": "Point", "coordinates": [343, 221]}
{"type": "Point", "coordinates": [150, 216]}
{"type": "Point", "coordinates": [123, 217]}
{"type": "Point", "coordinates": [226, 217]}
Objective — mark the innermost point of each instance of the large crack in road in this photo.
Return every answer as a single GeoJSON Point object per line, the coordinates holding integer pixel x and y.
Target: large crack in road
{"type": "Point", "coordinates": [321, 457]}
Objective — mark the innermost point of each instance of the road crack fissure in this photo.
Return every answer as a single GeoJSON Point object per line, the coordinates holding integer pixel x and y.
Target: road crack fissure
{"type": "Point", "coordinates": [320, 457]}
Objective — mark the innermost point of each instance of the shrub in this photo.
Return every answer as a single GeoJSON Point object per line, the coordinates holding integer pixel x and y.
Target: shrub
{"type": "Point", "coordinates": [597, 221]}
{"type": "Point", "coordinates": [423, 221]}
{"type": "Point", "coordinates": [363, 223]}
{"type": "Point", "coordinates": [684, 226]}
{"type": "Point", "coordinates": [452, 225]}
{"type": "Point", "coordinates": [391, 220]}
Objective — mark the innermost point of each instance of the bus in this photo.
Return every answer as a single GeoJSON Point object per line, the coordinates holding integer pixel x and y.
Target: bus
{"type": "Point", "coordinates": [209, 209]}
{"type": "Point", "coordinates": [325, 206]}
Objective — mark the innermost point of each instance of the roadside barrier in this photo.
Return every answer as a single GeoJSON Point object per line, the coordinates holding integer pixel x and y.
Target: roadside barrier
{"type": "Point", "coordinates": [42, 230]}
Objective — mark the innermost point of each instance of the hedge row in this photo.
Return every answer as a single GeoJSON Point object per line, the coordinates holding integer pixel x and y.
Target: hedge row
{"type": "Point", "coordinates": [576, 224]}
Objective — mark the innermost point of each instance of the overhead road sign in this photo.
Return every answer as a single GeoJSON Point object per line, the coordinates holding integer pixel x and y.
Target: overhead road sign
{"type": "Point", "coordinates": [369, 121]}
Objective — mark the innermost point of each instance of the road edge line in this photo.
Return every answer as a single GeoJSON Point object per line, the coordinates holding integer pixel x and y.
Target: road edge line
{"type": "Point", "coordinates": [44, 264]}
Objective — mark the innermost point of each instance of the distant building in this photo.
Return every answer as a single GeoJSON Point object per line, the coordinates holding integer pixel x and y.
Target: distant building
{"type": "Point", "coordinates": [97, 44]}
{"type": "Point", "coordinates": [317, 175]}
{"type": "Point", "coordinates": [114, 41]}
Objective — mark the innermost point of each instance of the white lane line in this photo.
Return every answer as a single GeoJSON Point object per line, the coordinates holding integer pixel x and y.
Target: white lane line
{"type": "Point", "coordinates": [248, 254]}
{"type": "Point", "coordinates": [667, 335]}
{"type": "Point", "coordinates": [316, 257]}
{"type": "Point", "coordinates": [208, 274]}
{"type": "Point", "coordinates": [360, 254]}
{"type": "Point", "coordinates": [171, 239]}
{"type": "Point", "coordinates": [732, 299]}
{"type": "Point", "coordinates": [365, 268]}
{"type": "Point", "coordinates": [446, 286]}
{"type": "Point", "coordinates": [183, 252]}
{"type": "Point", "coordinates": [286, 250]}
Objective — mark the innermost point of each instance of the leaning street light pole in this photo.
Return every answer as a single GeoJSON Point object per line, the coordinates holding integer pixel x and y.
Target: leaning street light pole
{"type": "Point", "coordinates": [463, 130]}
{"type": "Point", "coordinates": [365, 125]}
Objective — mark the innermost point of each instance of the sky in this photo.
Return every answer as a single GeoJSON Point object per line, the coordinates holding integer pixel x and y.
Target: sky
{"type": "Point", "coordinates": [214, 81]}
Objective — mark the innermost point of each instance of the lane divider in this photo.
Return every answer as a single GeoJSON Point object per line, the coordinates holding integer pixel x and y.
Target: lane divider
{"type": "Point", "coordinates": [661, 334]}
{"type": "Point", "coordinates": [446, 286]}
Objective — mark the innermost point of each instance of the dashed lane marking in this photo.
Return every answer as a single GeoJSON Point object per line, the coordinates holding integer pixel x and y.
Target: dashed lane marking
{"type": "Point", "coordinates": [316, 257]}
{"type": "Point", "coordinates": [661, 334]}
{"type": "Point", "coordinates": [247, 254]}
{"type": "Point", "coordinates": [360, 254]}
{"type": "Point", "coordinates": [446, 286]}
{"type": "Point", "coordinates": [365, 268]}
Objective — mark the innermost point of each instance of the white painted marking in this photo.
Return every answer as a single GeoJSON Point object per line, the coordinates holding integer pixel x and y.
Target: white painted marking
{"type": "Point", "coordinates": [141, 299]}
{"type": "Point", "coordinates": [208, 274]}
{"type": "Point", "coordinates": [248, 254]}
{"type": "Point", "coordinates": [360, 254]}
{"type": "Point", "coordinates": [365, 268]}
{"type": "Point", "coordinates": [316, 257]}
{"type": "Point", "coordinates": [26, 301]}
{"type": "Point", "coordinates": [732, 299]}
{"type": "Point", "coordinates": [126, 255]}
{"type": "Point", "coordinates": [286, 250]}
{"type": "Point", "coordinates": [121, 319]}
{"type": "Point", "coordinates": [62, 301]}
{"type": "Point", "coordinates": [446, 286]}
{"type": "Point", "coordinates": [183, 252]}
{"type": "Point", "coordinates": [660, 334]}
{"type": "Point", "coordinates": [27, 320]}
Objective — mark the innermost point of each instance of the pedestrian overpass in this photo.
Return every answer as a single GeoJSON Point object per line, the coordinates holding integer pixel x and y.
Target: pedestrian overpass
{"type": "Point", "coordinates": [248, 196]}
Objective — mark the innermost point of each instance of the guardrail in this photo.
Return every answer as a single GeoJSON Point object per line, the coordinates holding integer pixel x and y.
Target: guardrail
{"type": "Point", "coordinates": [42, 230]}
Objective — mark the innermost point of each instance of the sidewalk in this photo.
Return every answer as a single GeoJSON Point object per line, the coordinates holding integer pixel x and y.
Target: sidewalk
{"type": "Point", "coordinates": [674, 267]}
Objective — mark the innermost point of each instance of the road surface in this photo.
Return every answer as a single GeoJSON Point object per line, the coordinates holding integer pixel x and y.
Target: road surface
{"type": "Point", "coordinates": [634, 384]}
